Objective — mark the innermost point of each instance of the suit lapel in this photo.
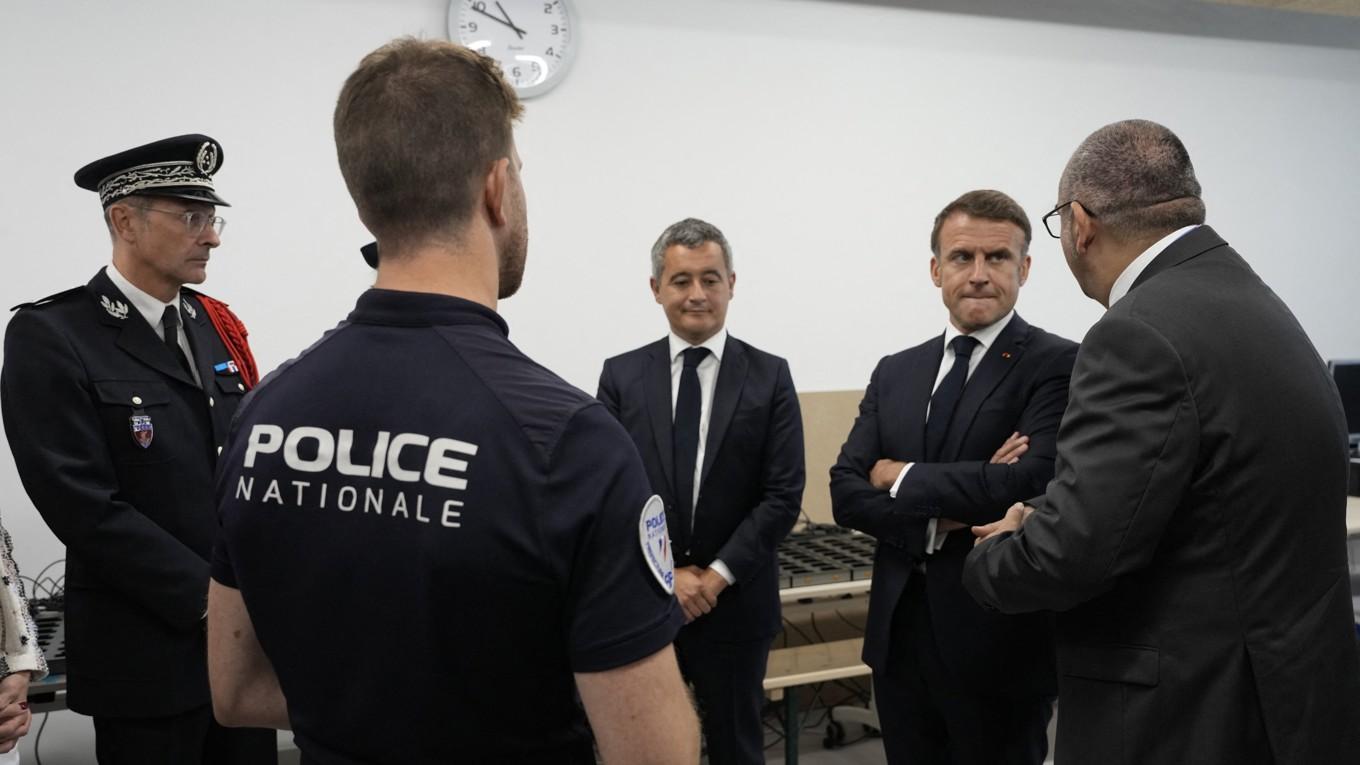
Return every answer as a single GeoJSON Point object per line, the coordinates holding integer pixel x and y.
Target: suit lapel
{"type": "Point", "coordinates": [656, 383]}
{"type": "Point", "coordinates": [726, 394]}
{"type": "Point", "coordinates": [135, 336]}
{"type": "Point", "coordinates": [920, 384]}
{"type": "Point", "coordinates": [200, 332]}
{"type": "Point", "coordinates": [1001, 358]}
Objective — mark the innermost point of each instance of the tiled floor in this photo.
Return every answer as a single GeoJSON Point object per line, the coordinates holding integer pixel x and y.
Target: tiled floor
{"type": "Point", "coordinates": [857, 751]}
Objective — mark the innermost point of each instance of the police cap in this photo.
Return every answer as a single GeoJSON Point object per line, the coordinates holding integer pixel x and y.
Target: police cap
{"type": "Point", "coordinates": [180, 167]}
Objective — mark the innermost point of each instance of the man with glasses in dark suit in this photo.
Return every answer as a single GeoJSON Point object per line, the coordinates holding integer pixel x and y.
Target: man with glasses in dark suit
{"type": "Point", "coordinates": [1192, 541]}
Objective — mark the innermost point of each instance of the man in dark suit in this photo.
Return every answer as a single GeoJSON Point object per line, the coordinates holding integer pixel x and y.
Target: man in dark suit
{"type": "Point", "coordinates": [1193, 539]}
{"type": "Point", "coordinates": [949, 433]}
{"type": "Point", "coordinates": [718, 426]}
{"type": "Point", "coordinates": [117, 397]}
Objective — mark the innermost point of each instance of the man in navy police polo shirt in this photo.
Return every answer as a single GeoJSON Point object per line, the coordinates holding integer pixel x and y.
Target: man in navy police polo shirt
{"type": "Point", "coordinates": [434, 550]}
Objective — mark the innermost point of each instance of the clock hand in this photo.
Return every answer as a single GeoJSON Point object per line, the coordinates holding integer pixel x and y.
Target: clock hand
{"type": "Point", "coordinates": [501, 21]}
{"type": "Point", "coordinates": [518, 31]}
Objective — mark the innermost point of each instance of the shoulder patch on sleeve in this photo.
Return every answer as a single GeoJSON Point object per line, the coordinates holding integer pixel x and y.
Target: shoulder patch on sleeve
{"type": "Point", "coordinates": [656, 543]}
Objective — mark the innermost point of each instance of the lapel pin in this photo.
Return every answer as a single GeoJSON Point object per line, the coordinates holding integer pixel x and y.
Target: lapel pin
{"type": "Point", "coordinates": [1005, 354]}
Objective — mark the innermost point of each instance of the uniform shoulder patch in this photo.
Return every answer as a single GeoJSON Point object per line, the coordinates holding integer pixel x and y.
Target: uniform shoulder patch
{"type": "Point", "coordinates": [54, 297]}
{"type": "Point", "coordinates": [656, 543]}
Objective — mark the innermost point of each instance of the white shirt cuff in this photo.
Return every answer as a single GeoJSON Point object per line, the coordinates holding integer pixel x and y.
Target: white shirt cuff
{"type": "Point", "coordinates": [898, 483]}
{"type": "Point", "coordinates": [934, 541]}
{"type": "Point", "coordinates": [723, 571]}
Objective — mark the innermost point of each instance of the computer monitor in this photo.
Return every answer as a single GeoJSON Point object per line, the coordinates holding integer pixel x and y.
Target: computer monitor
{"type": "Point", "coordinates": [1347, 377]}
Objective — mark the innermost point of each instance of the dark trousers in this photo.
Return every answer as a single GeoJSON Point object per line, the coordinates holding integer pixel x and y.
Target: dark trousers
{"type": "Point", "coordinates": [727, 678]}
{"type": "Point", "coordinates": [929, 717]}
{"type": "Point", "coordinates": [190, 738]}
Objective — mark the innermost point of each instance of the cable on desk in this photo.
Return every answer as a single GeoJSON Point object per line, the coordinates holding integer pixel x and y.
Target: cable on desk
{"type": "Point", "coordinates": [806, 638]}
{"type": "Point", "coordinates": [812, 622]}
{"type": "Point", "coordinates": [857, 627]}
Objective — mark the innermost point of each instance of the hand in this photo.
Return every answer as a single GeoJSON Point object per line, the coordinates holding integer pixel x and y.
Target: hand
{"type": "Point", "coordinates": [885, 474]}
{"type": "Point", "coordinates": [1014, 518]}
{"type": "Point", "coordinates": [694, 599]}
{"type": "Point", "coordinates": [14, 713]}
{"type": "Point", "coordinates": [1010, 452]}
{"type": "Point", "coordinates": [713, 584]}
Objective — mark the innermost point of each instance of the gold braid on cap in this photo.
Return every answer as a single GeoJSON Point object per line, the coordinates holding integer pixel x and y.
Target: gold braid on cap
{"type": "Point", "coordinates": [153, 176]}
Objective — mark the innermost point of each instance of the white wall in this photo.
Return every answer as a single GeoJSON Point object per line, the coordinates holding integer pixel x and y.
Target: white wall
{"type": "Point", "coordinates": [821, 136]}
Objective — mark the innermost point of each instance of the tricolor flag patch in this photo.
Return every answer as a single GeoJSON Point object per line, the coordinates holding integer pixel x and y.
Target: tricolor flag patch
{"type": "Point", "coordinates": [142, 429]}
{"type": "Point", "coordinates": [656, 543]}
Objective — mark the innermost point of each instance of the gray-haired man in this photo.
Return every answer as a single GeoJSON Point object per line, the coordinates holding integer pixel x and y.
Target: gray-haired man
{"type": "Point", "coordinates": [717, 423]}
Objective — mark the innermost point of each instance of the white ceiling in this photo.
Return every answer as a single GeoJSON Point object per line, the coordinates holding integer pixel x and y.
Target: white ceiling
{"type": "Point", "coordinates": [1322, 23]}
{"type": "Point", "coordinates": [1327, 7]}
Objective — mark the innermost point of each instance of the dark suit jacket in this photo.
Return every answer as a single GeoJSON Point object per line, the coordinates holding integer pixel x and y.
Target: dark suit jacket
{"type": "Point", "coordinates": [1194, 535]}
{"type": "Point", "coordinates": [1020, 385]}
{"type": "Point", "coordinates": [138, 522]}
{"type": "Point", "coordinates": [751, 486]}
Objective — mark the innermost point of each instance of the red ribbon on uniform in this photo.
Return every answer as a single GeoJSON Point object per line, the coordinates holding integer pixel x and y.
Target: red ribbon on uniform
{"type": "Point", "coordinates": [233, 333]}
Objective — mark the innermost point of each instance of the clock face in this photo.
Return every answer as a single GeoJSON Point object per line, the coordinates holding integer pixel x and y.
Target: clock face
{"type": "Point", "coordinates": [532, 39]}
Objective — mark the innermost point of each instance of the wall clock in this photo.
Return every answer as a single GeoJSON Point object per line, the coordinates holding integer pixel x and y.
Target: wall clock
{"type": "Point", "coordinates": [534, 40]}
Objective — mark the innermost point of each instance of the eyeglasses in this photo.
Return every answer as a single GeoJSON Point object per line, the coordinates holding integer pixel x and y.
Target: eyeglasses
{"type": "Point", "coordinates": [1056, 213]}
{"type": "Point", "coordinates": [1091, 213]}
{"type": "Point", "coordinates": [194, 221]}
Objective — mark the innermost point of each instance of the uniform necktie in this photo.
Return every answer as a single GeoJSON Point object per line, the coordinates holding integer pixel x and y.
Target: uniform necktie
{"type": "Point", "coordinates": [946, 397]}
{"type": "Point", "coordinates": [685, 435]}
{"type": "Point", "coordinates": [170, 322]}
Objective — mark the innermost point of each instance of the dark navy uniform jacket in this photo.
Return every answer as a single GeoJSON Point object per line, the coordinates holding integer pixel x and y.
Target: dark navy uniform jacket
{"type": "Point", "coordinates": [431, 533]}
{"type": "Point", "coordinates": [81, 369]}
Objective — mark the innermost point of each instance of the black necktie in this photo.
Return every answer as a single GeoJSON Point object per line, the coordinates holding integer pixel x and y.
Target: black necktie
{"type": "Point", "coordinates": [946, 397]}
{"type": "Point", "coordinates": [685, 435]}
{"type": "Point", "coordinates": [170, 322]}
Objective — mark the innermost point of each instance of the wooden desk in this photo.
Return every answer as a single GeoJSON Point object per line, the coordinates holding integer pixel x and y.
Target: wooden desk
{"type": "Point", "coordinates": [814, 663]}
{"type": "Point", "coordinates": [789, 668]}
{"type": "Point", "coordinates": [791, 594]}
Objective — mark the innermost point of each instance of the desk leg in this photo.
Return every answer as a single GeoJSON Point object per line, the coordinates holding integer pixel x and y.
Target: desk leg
{"type": "Point", "coordinates": [791, 727]}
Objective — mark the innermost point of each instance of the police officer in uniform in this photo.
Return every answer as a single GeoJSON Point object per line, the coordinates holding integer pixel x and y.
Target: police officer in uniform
{"type": "Point", "coordinates": [446, 551]}
{"type": "Point", "coordinates": [117, 397]}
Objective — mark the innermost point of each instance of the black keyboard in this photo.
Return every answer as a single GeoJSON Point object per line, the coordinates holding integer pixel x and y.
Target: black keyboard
{"type": "Point", "coordinates": [48, 615]}
{"type": "Point", "coordinates": [824, 554]}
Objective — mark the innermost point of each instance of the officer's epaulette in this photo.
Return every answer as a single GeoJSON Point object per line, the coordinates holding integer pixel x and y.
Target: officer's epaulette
{"type": "Point", "coordinates": [49, 299]}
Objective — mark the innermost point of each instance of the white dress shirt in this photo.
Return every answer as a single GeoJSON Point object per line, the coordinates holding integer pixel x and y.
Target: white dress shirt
{"type": "Point", "coordinates": [152, 310]}
{"type": "Point", "coordinates": [1135, 268]}
{"type": "Point", "coordinates": [985, 337]}
{"type": "Point", "coordinates": [708, 377]}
